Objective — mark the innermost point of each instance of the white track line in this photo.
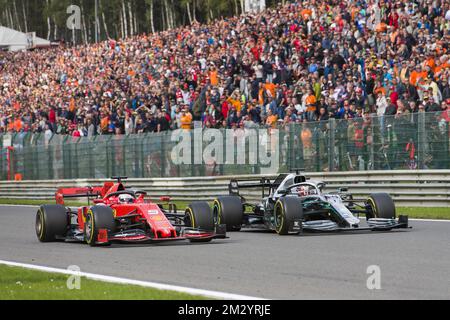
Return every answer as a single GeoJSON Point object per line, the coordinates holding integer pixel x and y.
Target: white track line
{"type": "Point", "coordinates": [154, 285]}
{"type": "Point", "coordinates": [429, 220]}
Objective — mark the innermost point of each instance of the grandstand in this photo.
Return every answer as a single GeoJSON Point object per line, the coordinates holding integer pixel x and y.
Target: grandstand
{"type": "Point", "coordinates": [373, 69]}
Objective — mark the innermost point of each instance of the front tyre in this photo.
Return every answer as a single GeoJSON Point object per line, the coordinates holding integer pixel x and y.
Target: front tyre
{"type": "Point", "coordinates": [380, 205]}
{"type": "Point", "coordinates": [229, 211]}
{"type": "Point", "coordinates": [288, 215]}
{"type": "Point", "coordinates": [99, 224]}
{"type": "Point", "coordinates": [52, 221]}
{"type": "Point", "coordinates": [198, 215]}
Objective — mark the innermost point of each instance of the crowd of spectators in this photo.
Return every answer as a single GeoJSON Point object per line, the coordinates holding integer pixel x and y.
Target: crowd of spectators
{"type": "Point", "coordinates": [305, 61]}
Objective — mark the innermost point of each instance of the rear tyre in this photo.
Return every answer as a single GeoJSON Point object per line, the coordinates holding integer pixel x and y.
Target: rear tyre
{"type": "Point", "coordinates": [229, 211]}
{"type": "Point", "coordinates": [51, 221]}
{"type": "Point", "coordinates": [380, 205]}
{"type": "Point", "coordinates": [98, 218]}
{"type": "Point", "coordinates": [199, 216]}
{"type": "Point", "coordinates": [287, 210]}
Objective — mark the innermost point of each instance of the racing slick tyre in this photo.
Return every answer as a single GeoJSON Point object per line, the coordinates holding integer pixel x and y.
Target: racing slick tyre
{"type": "Point", "coordinates": [98, 219]}
{"type": "Point", "coordinates": [51, 221]}
{"type": "Point", "coordinates": [287, 210]}
{"type": "Point", "coordinates": [380, 205]}
{"type": "Point", "coordinates": [199, 216]}
{"type": "Point", "coordinates": [229, 211]}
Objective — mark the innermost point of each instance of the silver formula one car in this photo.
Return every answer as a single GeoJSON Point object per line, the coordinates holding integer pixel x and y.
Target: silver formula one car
{"type": "Point", "coordinates": [292, 204]}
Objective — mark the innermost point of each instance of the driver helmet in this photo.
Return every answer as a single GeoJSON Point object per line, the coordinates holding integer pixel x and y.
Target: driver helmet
{"type": "Point", "coordinates": [126, 198]}
{"type": "Point", "coordinates": [303, 191]}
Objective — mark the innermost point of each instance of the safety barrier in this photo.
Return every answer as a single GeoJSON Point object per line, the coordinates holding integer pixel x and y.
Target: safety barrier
{"type": "Point", "coordinates": [427, 188]}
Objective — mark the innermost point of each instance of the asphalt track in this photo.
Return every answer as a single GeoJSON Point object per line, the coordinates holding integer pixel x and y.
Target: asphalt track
{"type": "Point", "coordinates": [414, 264]}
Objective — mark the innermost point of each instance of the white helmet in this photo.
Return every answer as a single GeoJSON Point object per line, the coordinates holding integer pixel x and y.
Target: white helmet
{"type": "Point", "coordinates": [126, 198]}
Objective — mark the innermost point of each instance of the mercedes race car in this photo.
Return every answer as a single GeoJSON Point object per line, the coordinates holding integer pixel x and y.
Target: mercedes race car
{"type": "Point", "coordinates": [292, 204]}
{"type": "Point", "coordinates": [123, 215]}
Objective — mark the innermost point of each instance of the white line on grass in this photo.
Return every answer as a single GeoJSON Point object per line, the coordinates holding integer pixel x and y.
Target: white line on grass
{"type": "Point", "coordinates": [154, 285]}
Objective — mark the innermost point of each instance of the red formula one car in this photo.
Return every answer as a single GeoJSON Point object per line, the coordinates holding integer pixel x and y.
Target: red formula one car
{"type": "Point", "coordinates": [123, 215]}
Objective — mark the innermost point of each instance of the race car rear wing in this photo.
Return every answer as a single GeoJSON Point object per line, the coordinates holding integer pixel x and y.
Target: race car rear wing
{"type": "Point", "coordinates": [236, 185]}
{"type": "Point", "coordinates": [85, 192]}
{"type": "Point", "coordinates": [264, 183]}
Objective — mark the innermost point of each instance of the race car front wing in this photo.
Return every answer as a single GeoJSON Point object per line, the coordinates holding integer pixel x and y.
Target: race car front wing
{"type": "Point", "coordinates": [373, 225]}
{"type": "Point", "coordinates": [191, 234]}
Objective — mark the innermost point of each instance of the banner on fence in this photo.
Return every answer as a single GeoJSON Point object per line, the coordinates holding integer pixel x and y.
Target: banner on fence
{"type": "Point", "coordinates": [255, 5]}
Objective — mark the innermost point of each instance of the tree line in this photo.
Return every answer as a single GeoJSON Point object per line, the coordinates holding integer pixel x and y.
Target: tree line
{"type": "Point", "coordinates": [116, 19]}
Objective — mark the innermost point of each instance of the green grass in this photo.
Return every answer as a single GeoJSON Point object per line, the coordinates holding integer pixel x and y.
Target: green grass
{"type": "Point", "coordinates": [412, 212]}
{"type": "Point", "coordinates": [24, 284]}
{"type": "Point", "coordinates": [425, 213]}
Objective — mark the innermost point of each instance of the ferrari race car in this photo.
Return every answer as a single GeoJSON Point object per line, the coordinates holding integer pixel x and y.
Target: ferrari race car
{"type": "Point", "coordinates": [123, 215]}
{"type": "Point", "coordinates": [292, 204]}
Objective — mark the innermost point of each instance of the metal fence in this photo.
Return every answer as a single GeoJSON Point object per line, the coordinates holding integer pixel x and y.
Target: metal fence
{"type": "Point", "coordinates": [405, 142]}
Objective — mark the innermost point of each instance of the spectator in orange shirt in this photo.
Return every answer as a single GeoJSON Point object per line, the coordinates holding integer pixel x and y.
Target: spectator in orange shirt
{"type": "Point", "coordinates": [381, 27]}
{"type": "Point", "coordinates": [186, 119]}
{"type": "Point", "coordinates": [18, 124]}
{"type": "Point", "coordinates": [235, 101]}
{"type": "Point", "coordinates": [311, 104]}
{"type": "Point", "coordinates": [416, 75]}
{"type": "Point", "coordinates": [104, 122]}
{"type": "Point", "coordinates": [271, 119]}
{"type": "Point", "coordinates": [214, 76]}
{"type": "Point", "coordinates": [430, 62]}
{"type": "Point", "coordinates": [270, 87]}
{"type": "Point", "coordinates": [440, 67]}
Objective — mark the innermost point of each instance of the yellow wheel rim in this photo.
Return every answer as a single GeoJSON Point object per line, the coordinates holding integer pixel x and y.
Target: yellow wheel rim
{"type": "Point", "coordinates": [219, 211]}
{"type": "Point", "coordinates": [374, 207]}
{"type": "Point", "coordinates": [191, 214]}
{"type": "Point", "coordinates": [90, 221]}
